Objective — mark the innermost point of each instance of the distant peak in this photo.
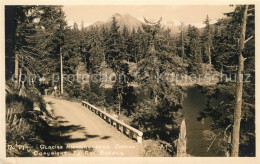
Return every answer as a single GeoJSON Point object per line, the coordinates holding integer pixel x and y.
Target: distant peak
{"type": "Point", "coordinates": [99, 22]}
{"type": "Point", "coordinates": [116, 15]}
{"type": "Point", "coordinates": [127, 15]}
{"type": "Point", "coordinates": [171, 22]}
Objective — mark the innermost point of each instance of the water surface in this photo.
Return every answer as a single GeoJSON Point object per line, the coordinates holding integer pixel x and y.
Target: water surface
{"type": "Point", "coordinates": [196, 143]}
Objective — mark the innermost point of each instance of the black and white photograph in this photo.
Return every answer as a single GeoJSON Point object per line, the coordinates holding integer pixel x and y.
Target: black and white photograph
{"type": "Point", "coordinates": [129, 80]}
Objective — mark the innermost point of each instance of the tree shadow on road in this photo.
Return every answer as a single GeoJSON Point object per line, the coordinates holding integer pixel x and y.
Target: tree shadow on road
{"type": "Point", "coordinates": [91, 136]}
{"type": "Point", "coordinates": [60, 135]}
{"type": "Point", "coordinates": [97, 136]}
{"type": "Point", "coordinates": [105, 137]}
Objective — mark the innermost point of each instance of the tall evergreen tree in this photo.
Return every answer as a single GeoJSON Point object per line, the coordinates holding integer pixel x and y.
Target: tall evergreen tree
{"type": "Point", "coordinates": [193, 50]}
{"type": "Point", "coordinates": [207, 39]}
{"type": "Point", "coordinates": [39, 35]}
{"type": "Point", "coordinates": [132, 46]}
{"type": "Point", "coordinates": [224, 92]}
{"type": "Point", "coordinates": [181, 42]}
{"type": "Point", "coordinates": [125, 41]}
{"type": "Point", "coordinates": [114, 57]}
{"type": "Point", "coordinates": [113, 50]}
{"type": "Point", "coordinates": [165, 98]}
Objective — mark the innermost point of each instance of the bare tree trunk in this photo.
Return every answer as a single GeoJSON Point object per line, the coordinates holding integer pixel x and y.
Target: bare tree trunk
{"type": "Point", "coordinates": [119, 108]}
{"type": "Point", "coordinates": [227, 153]}
{"type": "Point", "coordinates": [61, 74]}
{"type": "Point", "coordinates": [20, 77]}
{"type": "Point", "coordinates": [209, 56]}
{"type": "Point", "coordinates": [182, 41]}
{"type": "Point", "coordinates": [20, 72]}
{"type": "Point", "coordinates": [61, 64]}
{"type": "Point", "coordinates": [119, 104]}
{"type": "Point", "coordinates": [16, 70]}
{"type": "Point", "coordinates": [239, 89]}
{"type": "Point", "coordinates": [182, 141]}
{"type": "Point", "coordinates": [156, 99]}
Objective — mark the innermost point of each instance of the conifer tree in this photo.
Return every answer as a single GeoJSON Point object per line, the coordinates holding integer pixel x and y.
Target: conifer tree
{"type": "Point", "coordinates": [194, 51]}
{"type": "Point", "coordinates": [224, 92]}
{"type": "Point", "coordinates": [165, 97]}
{"type": "Point", "coordinates": [207, 40]}
{"type": "Point", "coordinates": [114, 57]}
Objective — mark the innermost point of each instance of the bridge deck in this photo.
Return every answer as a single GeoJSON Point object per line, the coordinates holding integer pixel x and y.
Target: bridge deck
{"type": "Point", "coordinates": [82, 128]}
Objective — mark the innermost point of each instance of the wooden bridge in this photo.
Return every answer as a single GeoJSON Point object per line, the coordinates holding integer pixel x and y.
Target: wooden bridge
{"type": "Point", "coordinates": [119, 125]}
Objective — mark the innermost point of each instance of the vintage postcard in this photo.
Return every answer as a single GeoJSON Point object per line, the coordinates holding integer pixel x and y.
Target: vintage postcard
{"type": "Point", "coordinates": [151, 81]}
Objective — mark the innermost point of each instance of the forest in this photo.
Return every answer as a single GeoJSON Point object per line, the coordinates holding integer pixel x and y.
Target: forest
{"type": "Point", "coordinates": [39, 42]}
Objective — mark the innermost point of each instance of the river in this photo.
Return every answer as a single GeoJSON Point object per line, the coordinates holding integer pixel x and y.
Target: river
{"type": "Point", "coordinates": [196, 142]}
{"type": "Point", "coordinates": [192, 105]}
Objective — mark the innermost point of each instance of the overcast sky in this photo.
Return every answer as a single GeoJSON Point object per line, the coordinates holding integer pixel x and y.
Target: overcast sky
{"type": "Point", "coordinates": [192, 14]}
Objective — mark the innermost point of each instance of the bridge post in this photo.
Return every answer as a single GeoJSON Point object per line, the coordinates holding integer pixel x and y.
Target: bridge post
{"type": "Point", "coordinates": [113, 123]}
{"type": "Point", "coordinates": [124, 130]}
{"type": "Point", "coordinates": [121, 129]}
{"type": "Point", "coordinates": [127, 132]}
{"type": "Point", "coordinates": [118, 126]}
{"type": "Point", "coordinates": [131, 134]}
{"type": "Point", "coordinates": [139, 139]}
{"type": "Point", "coordinates": [108, 119]}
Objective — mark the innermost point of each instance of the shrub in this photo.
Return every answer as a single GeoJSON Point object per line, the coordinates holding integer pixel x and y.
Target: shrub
{"type": "Point", "coordinates": [21, 124]}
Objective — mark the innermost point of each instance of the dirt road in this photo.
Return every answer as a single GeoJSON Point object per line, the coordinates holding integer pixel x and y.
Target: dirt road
{"type": "Point", "coordinates": [86, 134]}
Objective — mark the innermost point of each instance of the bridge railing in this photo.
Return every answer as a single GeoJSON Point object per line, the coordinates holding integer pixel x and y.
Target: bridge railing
{"type": "Point", "coordinates": [121, 126]}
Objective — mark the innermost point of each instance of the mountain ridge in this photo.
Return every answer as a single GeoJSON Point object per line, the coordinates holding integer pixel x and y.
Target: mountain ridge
{"type": "Point", "coordinates": [131, 22]}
